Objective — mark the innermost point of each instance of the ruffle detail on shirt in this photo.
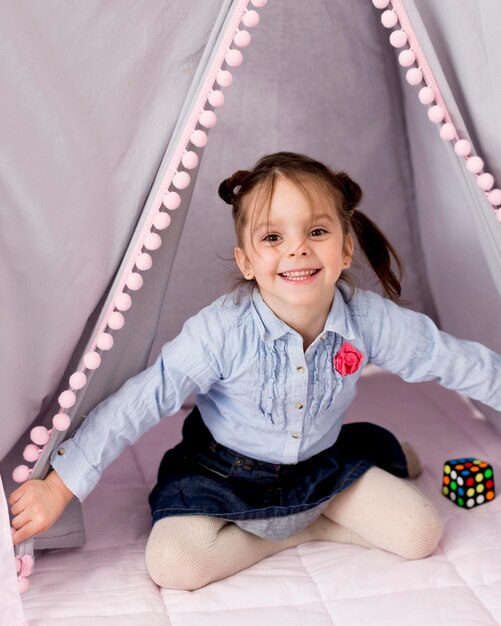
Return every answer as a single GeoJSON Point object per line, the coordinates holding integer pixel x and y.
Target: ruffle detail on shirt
{"type": "Point", "coordinates": [326, 383]}
{"type": "Point", "coordinates": [272, 379]}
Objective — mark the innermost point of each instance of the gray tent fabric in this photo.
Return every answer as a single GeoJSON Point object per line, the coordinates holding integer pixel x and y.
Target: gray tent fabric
{"type": "Point", "coordinates": [85, 241]}
{"type": "Point", "coordinates": [90, 107]}
{"type": "Point", "coordinates": [460, 235]}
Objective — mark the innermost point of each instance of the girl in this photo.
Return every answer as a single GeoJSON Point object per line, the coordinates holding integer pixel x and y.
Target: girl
{"type": "Point", "coordinates": [265, 462]}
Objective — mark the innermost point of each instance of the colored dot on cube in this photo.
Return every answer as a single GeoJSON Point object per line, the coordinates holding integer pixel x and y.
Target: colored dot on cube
{"type": "Point", "coordinates": [468, 482]}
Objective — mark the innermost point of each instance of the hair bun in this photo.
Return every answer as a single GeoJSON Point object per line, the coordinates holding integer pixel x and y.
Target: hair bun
{"type": "Point", "coordinates": [226, 189]}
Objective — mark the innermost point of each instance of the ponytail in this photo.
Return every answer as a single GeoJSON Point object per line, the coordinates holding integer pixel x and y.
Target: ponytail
{"type": "Point", "coordinates": [378, 251]}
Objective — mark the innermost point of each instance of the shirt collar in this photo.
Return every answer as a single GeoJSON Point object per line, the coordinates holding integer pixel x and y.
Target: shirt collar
{"type": "Point", "coordinates": [339, 318]}
{"type": "Point", "coordinates": [271, 327]}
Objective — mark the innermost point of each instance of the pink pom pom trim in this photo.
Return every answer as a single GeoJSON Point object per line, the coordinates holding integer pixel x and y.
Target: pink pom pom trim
{"type": "Point", "coordinates": [31, 453]}
{"type": "Point", "coordinates": [474, 165]}
{"type": "Point", "coordinates": [190, 159]}
{"type": "Point", "coordinates": [426, 95]}
{"type": "Point", "coordinates": [436, 114]}
{"type": "Point", "coordinates": [462, 147]}
{"type": "Point", "coordinates": [134, 281]}
{"type": "Point", "coordinates": [92, 360]}
{"type": "Point", "coordinates": [448, 132]}
{"type": "Point", "coordinates": [398, 38]}
{"type": "Point", "coordinates": [172, 200]}
{"type": "Point", "coordinates": [199, 139]}
{"type": "Point", "coordinates": [242, 38]}
{"type": "Point", "coordinates": [104, 341]}
{"type": "Point", "coordinates": [259, 4]}
{"type": "Point", "coordinates": [216, 98]}
{"type": "Point", "coordinates": [144, 262]}
{"type": "Point", "coordinates": [181, 180]}
{"type": "Point", "coordinates": [123, 301]}
{"type": "Point", "coordinates": [234, 58]}
{"type": "Point", "coordinates": [116, 321]}
{"type": "Point", "coordinates": [406, 58]}
{"type": "Point", "coordinates": [224, 78]}
{"type": "Point", "coordinates": [24, 567]}
{"type": "Point", "coordinates": [389, 19]}
{"type": "Point", "coordinates": [207, 119]}
{"type": "Point", "coordinates": [78, 380]}
{"type": "Point", "coordinates": [161, 221]}
{"type": "Point", "coordinates": [153, 241]}
{"type": "Point", "coordinates": [414, 76]}
{"type": "Point", "coordinates": [250, 19]}
{"type": "Point", "coordinates": [39, 435]}
{"type": "Point", "coordinates": [494, 197]}
{"type": "Point", "coordinates": [61, 421]}
{"type": "Point", "coordinates": [395, 13]}
{"type": "Point", "coordinates": [67, 399]}
{"type": "Point", "coordinates": [21, 473]}
{"type": "Point", "coordinates": [485, 181]}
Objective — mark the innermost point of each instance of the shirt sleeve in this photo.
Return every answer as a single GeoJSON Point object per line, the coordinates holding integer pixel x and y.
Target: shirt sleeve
{"type": "Point", "coordinates": [410, 345]}
{"type": "Point", "coordinates": [189, 364]}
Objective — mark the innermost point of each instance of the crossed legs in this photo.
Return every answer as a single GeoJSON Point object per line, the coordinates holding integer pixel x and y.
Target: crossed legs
{"type": "Point", "coordinates": [378, 510]}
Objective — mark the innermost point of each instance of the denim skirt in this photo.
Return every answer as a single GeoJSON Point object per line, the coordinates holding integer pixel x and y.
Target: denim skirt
{"type": "Point", "coordinates": [202, 477]}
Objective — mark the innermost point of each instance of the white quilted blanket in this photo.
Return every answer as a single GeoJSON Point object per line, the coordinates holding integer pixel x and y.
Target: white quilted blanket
{"type": "Point", "coordinates": [318, 584]}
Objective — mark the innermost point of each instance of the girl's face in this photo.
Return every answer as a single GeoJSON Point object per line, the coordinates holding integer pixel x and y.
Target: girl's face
{"type": "Point", "coordinates": [296, 251]}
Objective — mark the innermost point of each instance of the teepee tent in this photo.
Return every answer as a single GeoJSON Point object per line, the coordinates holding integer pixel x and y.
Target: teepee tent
{"type": "Point", "coordinates": [107, 108]}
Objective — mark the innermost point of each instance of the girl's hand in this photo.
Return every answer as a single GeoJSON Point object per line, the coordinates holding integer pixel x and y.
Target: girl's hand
{"type": "Point", "coordinates": [36, 505]}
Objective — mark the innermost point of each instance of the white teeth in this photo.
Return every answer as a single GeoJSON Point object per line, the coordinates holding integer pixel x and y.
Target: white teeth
{"type": "Point", "coordinates": [300, 275]}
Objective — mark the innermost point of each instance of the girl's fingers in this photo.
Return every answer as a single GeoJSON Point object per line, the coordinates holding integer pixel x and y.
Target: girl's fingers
{"type": "Point", "coordinates": [16, 495]}
{"type": "Point", "coordinates": [17, 508]}
{"type": "Point", "coordinates": [20, 520]}
{"type": "Point", "coordinates": [26, 526]}
{"type": "Point", "coordinates": [23, 533]}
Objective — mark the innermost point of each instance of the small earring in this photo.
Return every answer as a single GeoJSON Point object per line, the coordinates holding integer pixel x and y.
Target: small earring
{"type": "Point", "coordinates": [249, 274]}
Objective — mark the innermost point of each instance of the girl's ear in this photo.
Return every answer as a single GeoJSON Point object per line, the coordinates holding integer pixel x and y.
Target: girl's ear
{"type": "Point", "coordinates": [347, 250]}
{"type": "Point", "coordinates": [243, 263]}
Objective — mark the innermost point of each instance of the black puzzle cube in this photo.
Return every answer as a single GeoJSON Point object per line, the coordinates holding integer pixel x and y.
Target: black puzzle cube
{"type": "Point", "coordinates": [468, 482]}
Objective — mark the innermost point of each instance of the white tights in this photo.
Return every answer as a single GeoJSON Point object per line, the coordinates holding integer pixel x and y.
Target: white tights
{"type": "Point", "coordinates": [378, 510]}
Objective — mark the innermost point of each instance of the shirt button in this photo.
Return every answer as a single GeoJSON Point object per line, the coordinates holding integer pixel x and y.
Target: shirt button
{"type": "Point", "coordinates": [61, 451]}
{"type": "Point", "coordinates": [295, 435]}
{"type": "Point", "coordinates": [323, 337]}
{"type": "Point", "coordinates": [300, 369]}
{"type": "Point", "coordinates": [299, 405]}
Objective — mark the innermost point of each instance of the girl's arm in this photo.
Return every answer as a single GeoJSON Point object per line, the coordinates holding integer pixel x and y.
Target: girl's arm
{"type": "Point", "coordinates": [410, 345]}
{"type": "Point", "coordinates": [187, 365]}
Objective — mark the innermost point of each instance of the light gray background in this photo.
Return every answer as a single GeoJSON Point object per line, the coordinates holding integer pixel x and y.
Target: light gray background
{"type": "Point", "coordinates": [90, 96]}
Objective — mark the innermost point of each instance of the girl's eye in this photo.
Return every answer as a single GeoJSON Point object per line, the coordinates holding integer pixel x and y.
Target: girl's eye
{"type": "Point", "coordinates": [318, 232]}
{"type": "Point", "coordinates": [271, 237]}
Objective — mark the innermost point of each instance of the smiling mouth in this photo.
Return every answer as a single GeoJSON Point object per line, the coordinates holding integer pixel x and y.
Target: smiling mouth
{"type": "Point", "coordinates": [299, 275]}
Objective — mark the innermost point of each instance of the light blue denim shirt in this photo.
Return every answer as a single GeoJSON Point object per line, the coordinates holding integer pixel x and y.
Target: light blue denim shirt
{"type": "Point", "coordinates": [259, 393]}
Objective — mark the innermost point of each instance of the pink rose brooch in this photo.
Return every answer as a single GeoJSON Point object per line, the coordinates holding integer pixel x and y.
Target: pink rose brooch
{"type": "Point", "coordinates": [347, 360]}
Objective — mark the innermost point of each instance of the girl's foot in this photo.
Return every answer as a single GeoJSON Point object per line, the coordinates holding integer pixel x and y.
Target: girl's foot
{"type": "Point", "coordinates": [413, 462]}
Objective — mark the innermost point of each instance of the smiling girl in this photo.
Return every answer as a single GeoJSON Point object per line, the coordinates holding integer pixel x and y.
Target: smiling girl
{"type": "Point", "coordinates": [265, 462]}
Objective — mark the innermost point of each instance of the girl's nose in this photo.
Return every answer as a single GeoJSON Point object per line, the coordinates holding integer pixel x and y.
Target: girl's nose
{"type": "Point", "coordinates": [300, 249]}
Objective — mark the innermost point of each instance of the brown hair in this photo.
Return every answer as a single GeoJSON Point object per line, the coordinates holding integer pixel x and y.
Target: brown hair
{"type": "Point", "coordinates": [345, 193]}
